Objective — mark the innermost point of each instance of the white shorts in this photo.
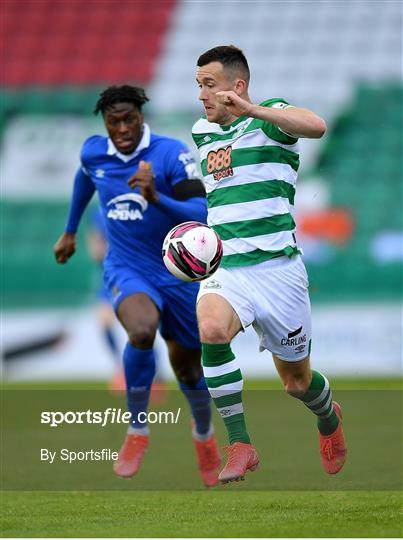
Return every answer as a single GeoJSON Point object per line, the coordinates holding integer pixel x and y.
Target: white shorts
{"type": "Point", "coordinates": [273, 297]}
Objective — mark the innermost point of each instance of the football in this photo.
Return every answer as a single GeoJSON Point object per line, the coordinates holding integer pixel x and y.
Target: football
{"type": "Point", "coordinates": [192, 251]}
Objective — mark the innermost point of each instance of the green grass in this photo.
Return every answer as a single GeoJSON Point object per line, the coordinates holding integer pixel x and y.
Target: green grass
{"type": "Point", "coordinates": [201, 514]}
{"type": "Point", "coordinates": [289, 496]}
{"type": "Point", "coordinates": [338, 383]}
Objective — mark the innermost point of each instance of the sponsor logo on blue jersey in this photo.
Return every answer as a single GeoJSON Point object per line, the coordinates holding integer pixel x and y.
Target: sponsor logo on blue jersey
{"type": "Point", "coordinates": [123, 209]}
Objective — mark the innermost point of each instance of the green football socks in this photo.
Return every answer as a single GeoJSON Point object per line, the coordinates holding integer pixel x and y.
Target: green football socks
{"type": "Point", "coordinates": [318, 398]}
{"type": "Point", "coordinates": [224, 381]}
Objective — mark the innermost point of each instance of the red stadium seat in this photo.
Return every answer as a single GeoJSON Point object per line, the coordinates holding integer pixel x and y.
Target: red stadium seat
{"type": "Point", "coordinates": [66, 42]}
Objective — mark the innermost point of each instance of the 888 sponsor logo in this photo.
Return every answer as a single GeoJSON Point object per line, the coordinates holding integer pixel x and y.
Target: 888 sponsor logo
{"type": "Point", "coordinates": [219, 163]}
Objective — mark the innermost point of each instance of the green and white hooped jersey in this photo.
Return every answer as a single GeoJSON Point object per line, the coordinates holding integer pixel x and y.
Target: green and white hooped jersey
{"type": "Point", "coordinates": [250, 171]}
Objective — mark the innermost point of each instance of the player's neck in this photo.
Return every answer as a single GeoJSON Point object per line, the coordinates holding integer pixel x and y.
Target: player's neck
{"type": "Point", "coordinates": [231, 117]}
{"type": "Point", "coordinates": [229, 120]}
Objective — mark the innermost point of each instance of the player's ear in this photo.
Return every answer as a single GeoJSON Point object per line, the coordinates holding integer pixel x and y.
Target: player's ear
{"type": "Point", "coordinates": [240, 87]}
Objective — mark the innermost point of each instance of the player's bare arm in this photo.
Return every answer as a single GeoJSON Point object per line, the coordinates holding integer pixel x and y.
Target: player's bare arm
{"type": "Point", "coordinates": [65, 247]}
{"type": "Point", "coordinates": [295, 121]}
{"type": "Point", "coordinates": [144, 179]}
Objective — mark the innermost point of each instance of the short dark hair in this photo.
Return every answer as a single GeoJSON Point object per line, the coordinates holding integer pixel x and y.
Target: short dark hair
{"type": "Point", "coordinates": [229, 56]}
{"type": "Point", "coordinates": [121, 94]}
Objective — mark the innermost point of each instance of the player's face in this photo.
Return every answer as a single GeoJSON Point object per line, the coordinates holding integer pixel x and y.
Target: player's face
{"type": "Point", "coordinates": [124, 124]}
{"type": "Point", "coordinates": [213, 78]}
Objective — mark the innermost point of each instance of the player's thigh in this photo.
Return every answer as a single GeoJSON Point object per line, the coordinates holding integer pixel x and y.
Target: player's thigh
{"type": "Point", "coordinates": [218, 321]}
{"type": "Point", "coordinates": [139, 316]}
{"type": "Point", "coordinates": [178, 316]}
{"type": "Point", "coordinates": [136, 301]}
{"type": "Point", "coordinates": [283, 311]}
{"type": "Point", "coordinates": [224, 305]}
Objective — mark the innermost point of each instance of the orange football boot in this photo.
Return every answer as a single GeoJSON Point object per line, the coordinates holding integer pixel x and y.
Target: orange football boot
{"type": "Point", "coordinates": [333, 449]}
{"type": "Point", "coordinates": [208, 458]}
{"type": "Point", "coordinates": [242, 457]}
{"type": "Point", "coordinates": [131, 455]}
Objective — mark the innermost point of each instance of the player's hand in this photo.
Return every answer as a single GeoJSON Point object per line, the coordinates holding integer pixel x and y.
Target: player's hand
{"type": "Point", "coordinates": [144, 179]}
{"type": "Point", "coordinates": [65, 247]}
{"type": "Point", "coordinates": [235, 105]}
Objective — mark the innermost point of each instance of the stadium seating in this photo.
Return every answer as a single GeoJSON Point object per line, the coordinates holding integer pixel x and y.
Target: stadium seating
{"type": "Point", "coordinates": [53, 43]}
{"type": "Point", "coordinates": [308, 52]}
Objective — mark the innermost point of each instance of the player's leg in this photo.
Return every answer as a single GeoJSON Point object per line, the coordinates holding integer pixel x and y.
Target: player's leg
{"type": "Point", "coordinates": [139, 316]}
{"type": "Point", "coordinates": [313, 389]}
{"type": "Point", "coordinates": [284, 324]}
{"type": "Point", "coordinates": [186, 364]}
{"type": "Point", "coordinates": [218, 324]}
{"type": "Point", "coordinates": [179, 329]}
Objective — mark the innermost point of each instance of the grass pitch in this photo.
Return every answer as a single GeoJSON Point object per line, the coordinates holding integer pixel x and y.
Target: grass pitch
{"type": "Point", "coordinates": [201, 514]}
{"type": "Point", "coordinates": [289, 497]}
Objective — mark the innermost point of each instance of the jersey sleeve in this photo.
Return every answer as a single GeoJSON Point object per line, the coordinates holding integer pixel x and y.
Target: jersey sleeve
{"type": "Point", "coordinates": [272, 131]}
{"type": "Point", "coordinates": [87, 152]}
{"type": "Point", "coordinates": [181, 167]}
{"type": "Point", "coordinates": [181, 164]}
{"type": "Point", "coordinates": [83, 190]}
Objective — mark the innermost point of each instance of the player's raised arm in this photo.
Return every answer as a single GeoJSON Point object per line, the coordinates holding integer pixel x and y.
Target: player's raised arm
{"type": "Point", "coordinates": [294, 121]}
{"type": "Point", "coordinates": [144, 179]}
{"type": "Point", "coordinates": [189, 196]}
{"type": "Point", "coordinates": [83, 190]}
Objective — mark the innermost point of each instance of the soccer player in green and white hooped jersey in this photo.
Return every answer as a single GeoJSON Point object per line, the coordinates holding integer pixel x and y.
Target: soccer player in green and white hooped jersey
{"type": "Point", "coordinates": [249, 159]}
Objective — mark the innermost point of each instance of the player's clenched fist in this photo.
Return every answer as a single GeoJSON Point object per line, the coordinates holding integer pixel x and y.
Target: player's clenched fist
{"type": "Point", "coordinates": [236, 105]}
{"type": "Point", "coordinates": [144, 179]}
{"type": "Point", "coordinates": [65, 247]}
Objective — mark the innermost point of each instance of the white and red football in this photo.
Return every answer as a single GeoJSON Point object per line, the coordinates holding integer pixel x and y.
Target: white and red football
{"type": "Point", "coordinates": [192, 251]}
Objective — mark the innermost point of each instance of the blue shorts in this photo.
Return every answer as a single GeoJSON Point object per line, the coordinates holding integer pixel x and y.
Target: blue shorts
{"type": "Point", "coordinates": [177, 303]}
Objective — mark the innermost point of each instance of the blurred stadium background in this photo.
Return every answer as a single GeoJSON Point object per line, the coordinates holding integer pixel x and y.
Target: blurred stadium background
{"type": "Point", "coordinates": [342, 59]}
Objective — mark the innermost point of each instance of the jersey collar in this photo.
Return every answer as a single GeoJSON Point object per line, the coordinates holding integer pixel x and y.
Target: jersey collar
{"type": "Point", "coordinates": [144, 143]}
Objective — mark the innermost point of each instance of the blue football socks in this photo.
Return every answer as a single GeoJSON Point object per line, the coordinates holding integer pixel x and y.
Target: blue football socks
{"type": "Point", "coordinates": [139, 366]}
{"type": "Point", "coordinates": [199, 400]}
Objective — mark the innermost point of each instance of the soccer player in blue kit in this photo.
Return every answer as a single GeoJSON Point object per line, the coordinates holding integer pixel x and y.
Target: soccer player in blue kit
{"type": "Point", "coordinates": [146, 185]}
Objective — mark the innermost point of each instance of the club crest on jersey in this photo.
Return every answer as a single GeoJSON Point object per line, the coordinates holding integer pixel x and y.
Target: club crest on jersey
{"type": "Point", "coordinates": [219, 163]}
{"type": "Point", "coordinates": [122, 208]}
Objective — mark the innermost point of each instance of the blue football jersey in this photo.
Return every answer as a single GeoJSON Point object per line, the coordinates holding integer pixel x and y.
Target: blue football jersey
{"type": "Point", "coordinates": [135, 228]}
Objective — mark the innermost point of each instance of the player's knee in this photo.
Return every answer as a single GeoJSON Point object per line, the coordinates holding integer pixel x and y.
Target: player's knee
{"type": "Point", "coordinates": [189, 375]}
{"type": "Point", "coordinates": [296, 386]}
{"type": "Point", "coordinates": [212, 331]}
{"type": "Point", "coordinates": [142, 337]}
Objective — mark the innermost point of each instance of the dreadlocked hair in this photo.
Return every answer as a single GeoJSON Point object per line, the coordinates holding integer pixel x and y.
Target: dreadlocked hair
{"type": "Point", "coordinates": [121, 94]}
